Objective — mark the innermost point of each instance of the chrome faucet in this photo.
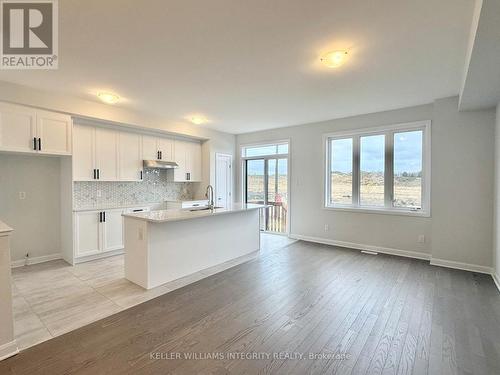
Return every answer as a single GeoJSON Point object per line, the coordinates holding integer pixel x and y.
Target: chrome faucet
{"type": "Point", "coordinates": [210, 195]}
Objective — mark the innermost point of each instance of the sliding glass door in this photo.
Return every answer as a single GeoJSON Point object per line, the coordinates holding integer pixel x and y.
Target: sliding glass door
{"type": "Point", "coordinates": [266, 182]}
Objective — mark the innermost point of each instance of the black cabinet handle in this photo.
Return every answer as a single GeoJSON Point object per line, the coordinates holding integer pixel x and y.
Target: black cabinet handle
{"type": "Point", "coordinates": [98, 174]}
{"type": "Point", "coordinates": [100, 217]}
{"type": "Point", "coordinates": [161, 155]}
{"type": "Point", "coordinates": [95, 174]}
{"type": "Point", "coordinates": [141, 175]}
{"type": "Point", "coordinates": [104, 216]}
{"type": "Point", "coordinates": [158, 155]}
{"type": "Point", "coordinates": [188, 176]}
{"type": "Point", "coordinates": [34, 143]}
{"type": "Point", "coordinates": [39, 144]}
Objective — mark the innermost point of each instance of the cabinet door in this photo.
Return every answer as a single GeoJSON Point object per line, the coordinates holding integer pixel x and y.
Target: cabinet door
{"type": "Point", "coordinates": [195, 162]}
{"type": "Point", "coordinates": [130, 157]}
{"type": "Point", "coordinates": [166, 147]}
{"type": "Point", "coordinates": [180, 149]}
{"type": "Point", "coordinates": [106, 154]}
{"type": "Point", "coordinates": [112, 233]}
{"type": "Point", "coordinates": [149, 147]}
{"type": "Point", "coordinates": [86, 233]}
{"type": "Point", "coordinates": [17, 128]}
{"type": "Point", "coordinates": [83, 153]}
{"type": "Point", "coordinates": [54, 133]}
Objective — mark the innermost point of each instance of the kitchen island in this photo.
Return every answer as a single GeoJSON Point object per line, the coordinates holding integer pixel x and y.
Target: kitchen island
{"type": "Point", "coordinates": [162, 246]}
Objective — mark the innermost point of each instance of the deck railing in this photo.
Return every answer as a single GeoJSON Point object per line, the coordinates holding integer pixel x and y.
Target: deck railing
{"type": "Point", "coordinates": [275, 217]}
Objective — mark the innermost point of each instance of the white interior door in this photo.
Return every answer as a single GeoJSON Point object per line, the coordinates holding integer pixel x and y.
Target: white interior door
{"type": "Point", "coordinates": [83, 153]}
{"type": "Point", "coordinates": [130, 157]}
{"type": "Point", "coordinates": [17, 128]}
{"type": "Point", "coordinates": [54, 133]}
{"type": "Point", "coordinates": [223, 180]}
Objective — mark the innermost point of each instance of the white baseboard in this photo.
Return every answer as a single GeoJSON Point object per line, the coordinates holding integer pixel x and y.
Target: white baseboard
{"type": "Point", "coordinates": [8, 350]}
{"type": "Point", "coordinates": [35, 260]}
{"type": "Point", "coordinates": [98, 256]}
{"type": "Point", "coordinates": [496, 279]}
{"type": "Point", "coordinates": [461, 266]}
{"type": "Point", "coordinates": [403, 253]}
{"type": "Point", "coordinates": [357, 246]}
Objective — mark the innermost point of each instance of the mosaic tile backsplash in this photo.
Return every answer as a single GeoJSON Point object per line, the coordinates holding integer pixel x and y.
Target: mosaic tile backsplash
{"type": "Point", "coordinates": [156, 187]}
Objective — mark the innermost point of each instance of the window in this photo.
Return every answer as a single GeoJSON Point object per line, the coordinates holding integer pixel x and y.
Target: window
{"type": "Point", "coordinates": [264, 150]}
{"type": "Point", "coordinates": [341, 171]}
{"type": "Point", "coordinates": [382, 169]}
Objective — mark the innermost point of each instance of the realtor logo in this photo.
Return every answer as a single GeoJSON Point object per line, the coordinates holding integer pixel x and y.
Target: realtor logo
{"type": "Point", "coordinates": [29, 34]}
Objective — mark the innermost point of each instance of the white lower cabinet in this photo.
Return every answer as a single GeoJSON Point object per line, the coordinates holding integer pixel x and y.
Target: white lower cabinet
{"type": "Point", "coordinates": [97, 232]}
{"type": "Point", "coordinates": [112, 230]}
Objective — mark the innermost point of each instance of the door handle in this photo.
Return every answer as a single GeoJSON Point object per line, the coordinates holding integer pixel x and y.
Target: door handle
{"type": "Point", "coordinates": [34, 143]}
{"type": "Point", "coordinates": [141, 175]}
{"type": "Point", "coordinates": [104, 216]}
{"type": "Point", "coordinates": [98, 174]}
{"type": "Point", "coordinates": [161, 155]}
{"type": "Point", "coordinates": [95, 174]}
{"type": "Point", "coordinates": [39, 144]}
{"type": "Point", "coordinates": [100, 217]}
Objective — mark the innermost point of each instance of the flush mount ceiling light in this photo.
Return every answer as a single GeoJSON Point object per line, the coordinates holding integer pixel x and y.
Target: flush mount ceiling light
{"type": "Point", "coordinates": [334, 59]}
{"type": "Point", "coordinates": [197, 120]}
{"type": "Point", "coordinates": [108, 97]}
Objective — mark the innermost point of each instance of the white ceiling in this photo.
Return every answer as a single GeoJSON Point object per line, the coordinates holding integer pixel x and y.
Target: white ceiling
{"type": "Point", "coordinates": [251, 65]}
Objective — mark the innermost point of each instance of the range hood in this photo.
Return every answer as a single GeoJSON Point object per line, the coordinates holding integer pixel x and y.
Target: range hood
{"type": "Point", "coordinates": [160, 164]}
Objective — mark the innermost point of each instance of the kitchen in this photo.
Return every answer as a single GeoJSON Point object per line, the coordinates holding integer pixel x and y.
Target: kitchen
{"type": "Point", "coordinates": [79, 177]}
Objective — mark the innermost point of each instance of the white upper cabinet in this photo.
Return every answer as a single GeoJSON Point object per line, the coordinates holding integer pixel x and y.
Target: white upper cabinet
{"type": "Point", "coordinates": [23, 129]}
{"type": "Point", "coordinates": [83, 153]}
{"type": "Point", "coordinates": [130, 157]}
{"type": "Point", "coordinates": [188, 156]}
{"type": "Point", "coordinates": [157, 148]}
{"type": "Point", "coordinates": [150, 149]}
{"type": "Point", "coordinates": [54, 132]}
{"type": "Point", "coordinates": [95, 155]}
{"type": "Point", "coordinates": [106, 154]}
{"type": "Point", "coordinates": [166, 148]}
{"type": "Point", "coordinates": [17, 128]}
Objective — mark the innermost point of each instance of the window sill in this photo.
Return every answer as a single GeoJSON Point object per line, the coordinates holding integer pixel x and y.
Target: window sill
{"type": "Point", "coordinates": [382, 211]}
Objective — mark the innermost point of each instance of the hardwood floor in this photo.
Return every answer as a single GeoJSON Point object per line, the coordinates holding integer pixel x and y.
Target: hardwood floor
{"type": "Point", "coordinates": [355, 313]}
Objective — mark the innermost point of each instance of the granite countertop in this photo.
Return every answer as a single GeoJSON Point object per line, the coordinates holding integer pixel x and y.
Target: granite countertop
{"type": "Point", "coordinates": [187, 214]}
{"type": "Point", "coordinates": [4, 228]}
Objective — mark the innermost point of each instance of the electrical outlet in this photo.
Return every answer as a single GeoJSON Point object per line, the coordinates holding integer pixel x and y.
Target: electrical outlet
{"type": "Point", "coordinates": [421, 238]}
{"type": "Point", "coordinates": [22, 195]}
{"type": "Point", "coordinates": [327, 227]}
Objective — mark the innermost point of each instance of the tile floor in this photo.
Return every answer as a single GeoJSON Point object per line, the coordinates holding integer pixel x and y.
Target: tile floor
{"type": "Point", "coordinates": [54, 298]}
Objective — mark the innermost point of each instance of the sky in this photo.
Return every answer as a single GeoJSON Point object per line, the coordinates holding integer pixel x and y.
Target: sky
{"type": "Point", "coordinates": [407, 153]}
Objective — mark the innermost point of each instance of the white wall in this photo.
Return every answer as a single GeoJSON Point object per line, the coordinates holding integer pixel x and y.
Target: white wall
{"type": "Point", "coordinates": [462, 184]}
{"type": "Point", "coordinates": [464, 237]}
{"type": "Point", "coordinates": [496, 253]}
{"type": "Point", "coordinates": [36, 219]}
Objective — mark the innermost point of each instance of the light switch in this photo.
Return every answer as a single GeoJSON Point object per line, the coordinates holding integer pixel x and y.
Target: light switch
{"type": "Point", "coordinates": [22, 195]}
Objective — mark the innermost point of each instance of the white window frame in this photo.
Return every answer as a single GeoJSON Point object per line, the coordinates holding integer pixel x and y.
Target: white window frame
{"type": "Point", "coordinates": [388, 131]}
